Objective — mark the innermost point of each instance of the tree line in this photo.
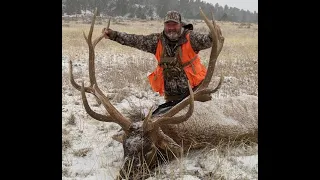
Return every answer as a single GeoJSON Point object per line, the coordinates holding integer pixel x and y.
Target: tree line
{"type": "Point", "coordinates": [151, 9]}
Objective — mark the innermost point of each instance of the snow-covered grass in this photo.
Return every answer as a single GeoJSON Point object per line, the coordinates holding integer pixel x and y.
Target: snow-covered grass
{"type": "Point", "coordinates": [87, 148]}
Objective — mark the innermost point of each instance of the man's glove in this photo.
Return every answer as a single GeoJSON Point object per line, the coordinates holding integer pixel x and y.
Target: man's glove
{"type": "Point", "coordinates": [108, 33]}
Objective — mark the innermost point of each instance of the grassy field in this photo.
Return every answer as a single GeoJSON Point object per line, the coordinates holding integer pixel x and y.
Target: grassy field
{"type": "Point", "coordinates": [121, 71]}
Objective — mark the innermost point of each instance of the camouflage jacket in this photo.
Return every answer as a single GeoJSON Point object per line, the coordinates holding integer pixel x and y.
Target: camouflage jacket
{"type": "Point", "coordinates": [176, 86]}
{"type": "Point", "coordinates": [148, 43]}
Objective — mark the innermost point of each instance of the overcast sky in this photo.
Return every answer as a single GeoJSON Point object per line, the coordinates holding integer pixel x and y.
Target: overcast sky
{"type": "Point", "coordinates": [251, 5]}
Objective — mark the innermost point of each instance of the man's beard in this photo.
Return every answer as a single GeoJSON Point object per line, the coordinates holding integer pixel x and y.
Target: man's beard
{"type": "Point", "coordinates": [173, 35]}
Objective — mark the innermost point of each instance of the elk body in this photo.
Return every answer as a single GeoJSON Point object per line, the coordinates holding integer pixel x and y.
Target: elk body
{"type": "Point", "coordinates": [195, 121]}
{"type": "Point", "coordinates": [217, 121]}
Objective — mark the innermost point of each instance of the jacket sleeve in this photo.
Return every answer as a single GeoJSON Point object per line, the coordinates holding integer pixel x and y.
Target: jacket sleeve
{"type": "Point", "coordinates": [200, 41]}
{"type": "Point", "coordinates": [146, 43]}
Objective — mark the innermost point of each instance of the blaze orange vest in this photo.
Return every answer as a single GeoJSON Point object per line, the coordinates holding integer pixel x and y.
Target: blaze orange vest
{"type": "Point", "coordinates": [195, 71]}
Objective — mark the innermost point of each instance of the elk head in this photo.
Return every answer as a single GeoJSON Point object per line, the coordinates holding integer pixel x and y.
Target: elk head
{"type": "Point", "coordinates": [143, 139]}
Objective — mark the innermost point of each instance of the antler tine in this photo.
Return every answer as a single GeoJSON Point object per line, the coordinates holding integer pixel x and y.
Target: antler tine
{"type": "Point", "coordinates": [212, 16]}
{"type": "Point", "coordinates": [92, 24]}
{"type": "Point", "coordinates": [220, 37]}
{"type": "Point", "coordinates": [93, 114]}
{"type": "Point", "coordinates": [146, 120]}
{"type": "Point", "coordinates": [203, 95]}
{"type": "Point", "coordinates": [73, 82]}
{"type": "Point", "coordinates": [91, 51]}
{"type": "Point", "coordinates": [119, 118]}
{"type": "Point", "coordinates": [214, 50]}
{"type": "Point", "coordinates": [176, 120]}
{"type": "Point", "coordinates": [98, 39]}
{"type": "Point", "coordinates": [198, 96]}
{"type": "Point", "coordinates": [78, 87]}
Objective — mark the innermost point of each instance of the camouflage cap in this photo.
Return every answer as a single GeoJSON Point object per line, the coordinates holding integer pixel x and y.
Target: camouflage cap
{"type": "Point", "coordinates": [172, 16]}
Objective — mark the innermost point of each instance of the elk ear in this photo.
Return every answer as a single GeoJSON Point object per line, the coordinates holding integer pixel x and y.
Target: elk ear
{"type": "Point", "coordinates": [119, 136]}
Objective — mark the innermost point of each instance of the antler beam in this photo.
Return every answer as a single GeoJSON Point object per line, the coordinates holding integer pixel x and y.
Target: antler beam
{"type": "Point", "coordinates": [115, 115]}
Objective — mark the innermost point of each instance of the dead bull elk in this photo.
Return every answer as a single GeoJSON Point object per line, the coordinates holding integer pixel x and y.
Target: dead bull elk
{"type": "Point", "coordinates": [143, 140]}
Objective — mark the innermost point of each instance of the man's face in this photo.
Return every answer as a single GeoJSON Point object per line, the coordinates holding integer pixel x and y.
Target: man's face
{"type": "Point", "coordinates": [172, 30]}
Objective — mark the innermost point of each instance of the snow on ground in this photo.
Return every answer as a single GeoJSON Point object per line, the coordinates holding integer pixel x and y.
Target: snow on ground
{"type": "Point", "coordinates": [89, 152]}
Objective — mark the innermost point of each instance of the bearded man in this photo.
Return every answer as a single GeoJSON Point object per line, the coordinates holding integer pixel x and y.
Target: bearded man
{"type": "Point", "coordinates": [176, 49]}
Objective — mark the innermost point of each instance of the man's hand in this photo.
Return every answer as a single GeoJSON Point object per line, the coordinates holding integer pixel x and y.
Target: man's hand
{"type": "Point", "coordinates": [107, 33]}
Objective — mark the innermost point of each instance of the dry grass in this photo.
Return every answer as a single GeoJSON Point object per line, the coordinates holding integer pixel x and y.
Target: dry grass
{"type": "Point", "coordinates": [71, 120]}
{"type": "Point", "coordinates": [66, 144]}
{"type": "Point", "coordinates": [211, 162]}
{"type": "Point", "coordinates": [122, 71]}
{"type": "Point", "coordinates": [82, 152]}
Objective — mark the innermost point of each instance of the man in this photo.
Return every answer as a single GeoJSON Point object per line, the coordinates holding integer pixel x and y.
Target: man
{"type": "Point", "coordinates": [176, 49]}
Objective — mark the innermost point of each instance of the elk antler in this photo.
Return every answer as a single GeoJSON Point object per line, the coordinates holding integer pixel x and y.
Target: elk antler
{"type": "Point", "coordinates": [220, 37]}
{"type": "Point", "coordinates": [172, 120]}
{"type": "Point", "coordinates": [199, 95]}
{"type": "Point", "coordinates": [91, 58]}
{"type": "Point", "coordinates": [119, 118]}
{"type": "Point", "coordinates": [217, 44]}
{"type": "Point", "coordinates": [115, 116]}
